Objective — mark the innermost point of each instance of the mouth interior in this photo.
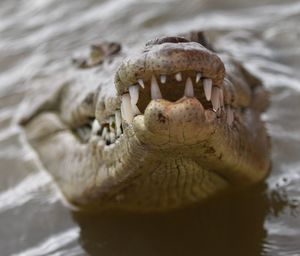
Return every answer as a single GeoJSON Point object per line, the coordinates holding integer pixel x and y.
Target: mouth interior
{"type": "Point", "coordinates": [172, 88]}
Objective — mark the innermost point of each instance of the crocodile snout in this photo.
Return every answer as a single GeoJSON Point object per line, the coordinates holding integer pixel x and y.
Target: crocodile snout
{"type": "Point", "coordinates": [176, 120]}
{"type": "Point", "coordinates": [170, 68]}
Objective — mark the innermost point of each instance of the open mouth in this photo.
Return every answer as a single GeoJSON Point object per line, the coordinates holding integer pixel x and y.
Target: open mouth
{"type": "Point", "coordinates": [173, 87]}
{"type": "Point", "coordinates": [200, 84]}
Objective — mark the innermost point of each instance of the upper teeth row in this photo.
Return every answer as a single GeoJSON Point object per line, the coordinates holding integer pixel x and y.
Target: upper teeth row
{"type": "Point", "coordinates": [178, 77]}
{"type": "Point", "coordinates": [129, 107]}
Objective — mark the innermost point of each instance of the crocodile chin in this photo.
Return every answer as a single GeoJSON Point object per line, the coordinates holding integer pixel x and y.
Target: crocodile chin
{"type": "Point", "coordinates": [177, 130]}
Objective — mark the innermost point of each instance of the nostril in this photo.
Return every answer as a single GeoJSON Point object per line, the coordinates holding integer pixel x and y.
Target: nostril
{"type": "Point", "coordinates": [169, 39]}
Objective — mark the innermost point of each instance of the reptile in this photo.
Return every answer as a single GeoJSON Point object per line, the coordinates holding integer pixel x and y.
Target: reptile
{"type": "Point", "coordinates": [170, 125]}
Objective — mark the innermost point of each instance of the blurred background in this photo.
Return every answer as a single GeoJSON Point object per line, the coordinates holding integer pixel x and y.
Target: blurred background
{"type": "Point", "coordinates": [39, 37]}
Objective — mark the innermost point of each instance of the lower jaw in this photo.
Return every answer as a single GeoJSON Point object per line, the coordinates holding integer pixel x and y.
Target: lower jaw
{"type": "Point", "coordinates": [177, 182]}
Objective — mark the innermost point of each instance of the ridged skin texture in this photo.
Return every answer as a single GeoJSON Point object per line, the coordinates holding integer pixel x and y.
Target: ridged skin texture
{"type": "Point", "coordinates": [174, 154]}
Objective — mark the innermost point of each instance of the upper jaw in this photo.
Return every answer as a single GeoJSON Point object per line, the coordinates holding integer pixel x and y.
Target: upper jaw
{"type": "Point", "coordinates": [166, 59]}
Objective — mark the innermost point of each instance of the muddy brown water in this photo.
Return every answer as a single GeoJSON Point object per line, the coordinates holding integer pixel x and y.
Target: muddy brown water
{"type": "Point", "coordinates": [40, 37]}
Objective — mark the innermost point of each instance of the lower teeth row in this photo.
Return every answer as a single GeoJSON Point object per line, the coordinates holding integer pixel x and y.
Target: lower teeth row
{"type": "Point", "coordinates": [110, 130]}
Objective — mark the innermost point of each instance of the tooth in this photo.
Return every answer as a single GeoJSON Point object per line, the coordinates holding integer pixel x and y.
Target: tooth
{"type": "Point", "coordinates": [95, 126]}
{"type": "Point", "coordinates": [134, 94]}
{"type": "Point", "coordinates": [107, 136]}
{"type": "Point", "coordinates": [141, 83]}
{"type": "Point", "coordinates": [215, 98]}
{"type": "Point", "coordinates": [135, 110]}
{"type": "Point", "coordinates": [122, 111]}
{"type": "Point", "coordinates": [198, 77]}
{"type": "Point", "coordinates": [207, 84]}
{"type": "Point", "coordinates": [112, 137]}
{"type": "Point", "coordinates": [155, 91]}
{"type": "Point", "coordinates": [111, 121]}
{"type": "Point", "coordinates": [134, 97]}
{"type": "Point", "coordinates": [126, 109]}
{"type": "Point", "coordinates": [118, 122]}
{"type": "Point", "coordinates": [221, 98]}
{"type": "Point", "coordinates": [178, 77]}
{"type": "Point", "coordinates": [189, 88]}
{"type": "Point", "coordinates": [163, 79]}
{"type": "Point", "coordinates": [104, 132]}
{"type": "Point", "coordinates": [230, 116]}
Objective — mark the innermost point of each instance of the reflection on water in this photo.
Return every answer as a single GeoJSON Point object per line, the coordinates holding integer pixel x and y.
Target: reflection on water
{"type": "Point", "coordinates": [39, 37]}
{"type": "Point", "coordinates": [231, 225]}
{"type": "Point", "coordinates": [52, 244]}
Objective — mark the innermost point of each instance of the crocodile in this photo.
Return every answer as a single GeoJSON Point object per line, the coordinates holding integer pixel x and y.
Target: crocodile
{"type": "Point", "coordinates": [168, 126]}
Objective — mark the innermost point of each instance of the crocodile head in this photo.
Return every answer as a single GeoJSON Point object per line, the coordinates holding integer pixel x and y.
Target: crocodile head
{"type": "Point", "coordinates": [183, 125]}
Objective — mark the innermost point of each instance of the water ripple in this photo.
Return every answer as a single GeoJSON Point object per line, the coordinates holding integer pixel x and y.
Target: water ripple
{"type": "Point", "coordinates": [24, 191]}
{"type": "Point", "coordinates": [54, 243]}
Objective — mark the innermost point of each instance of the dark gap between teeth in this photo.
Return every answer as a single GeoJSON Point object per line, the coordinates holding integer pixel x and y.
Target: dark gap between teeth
{"type": "Point", "coordinates": [84, 132]}
{"type": "Point", "coordinates": [173, 90]}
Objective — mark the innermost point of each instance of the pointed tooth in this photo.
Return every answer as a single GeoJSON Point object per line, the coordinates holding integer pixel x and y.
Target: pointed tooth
{"type": "Point", "coordinates": [135, 110]}
{"type": "Point", "coordinates": [215, 98]}
{"type": "Point", "coordinates": [207, 85]}
{"type": "Point", "coordinates": [104, 132]}
{"type": "Point", "coordinates": [123, 113]}
{"type": "Point", "coordinates": [230, 116]}
{"type": "Point", "coordinates": [111, 121]}
{"type": "Point", "coordinates": [134, 97]}
{"type": "Point", "coordinates": [163, 79]}
{"type": "Point", "coordinates": [134, 94]}
{"type": "Point", "coordinates": [95, 127]}
{"type": "Point", "coordinates": [141, 83]}
{"type": "Point", "coordinates": [155, 91]}
{"type": "Point", "coordinates": [198, 77]}
{"type": "Point", "coordinates": [118, 122]}
{"type": "Point", "coordinates": [178, 77]}
{"type": "Point", "coordinates": [189, 88]}
{"type": "Point", "coordinates": [107, 136]}
{"type": "Point", "coordinates": [221, 98]}
{"type": "Point", "coordinates": [126, 108]}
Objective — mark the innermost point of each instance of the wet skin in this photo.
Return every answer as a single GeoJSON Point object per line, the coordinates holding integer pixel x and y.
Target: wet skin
{"type": "Point", "coordinates": [179, 124]}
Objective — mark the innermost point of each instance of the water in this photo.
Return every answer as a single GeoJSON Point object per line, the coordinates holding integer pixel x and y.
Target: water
{"type": "Point", "coordinates": [39, 37]}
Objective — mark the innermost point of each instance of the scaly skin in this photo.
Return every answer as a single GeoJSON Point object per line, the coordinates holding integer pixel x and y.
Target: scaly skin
{"type": "Point", "coordinates": [176, 149]}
